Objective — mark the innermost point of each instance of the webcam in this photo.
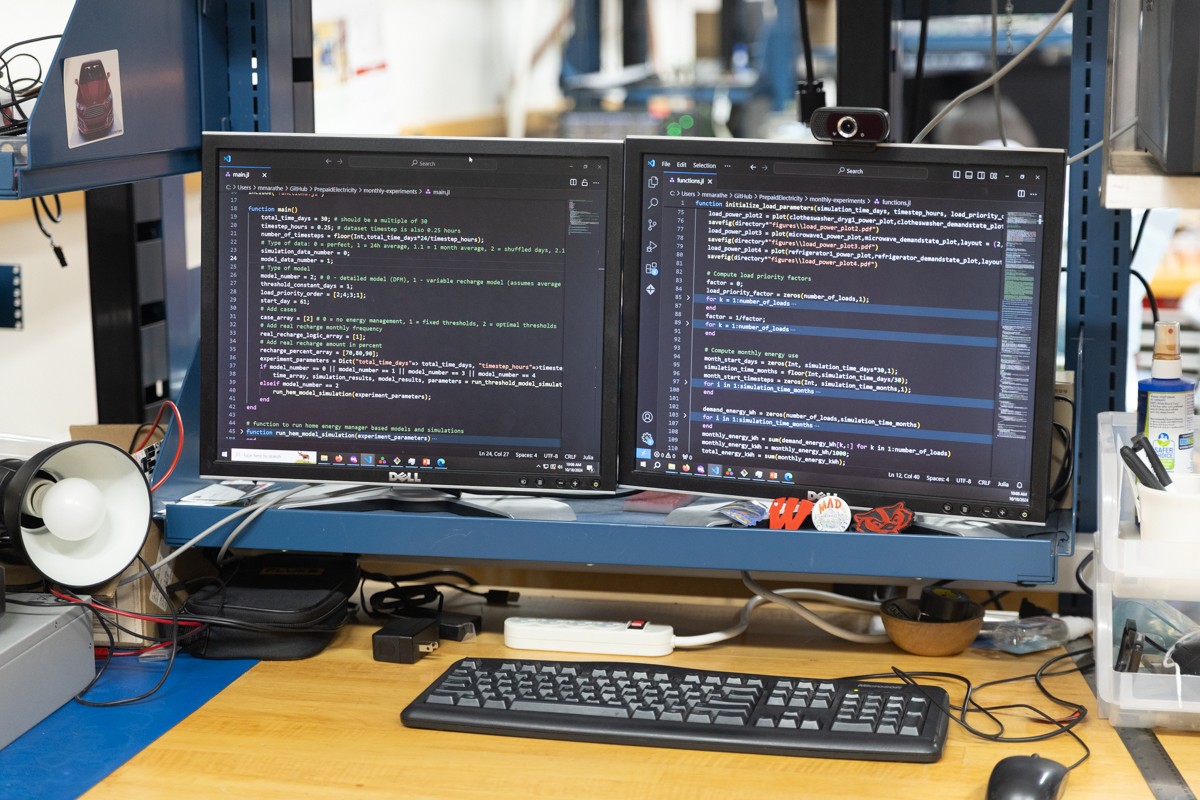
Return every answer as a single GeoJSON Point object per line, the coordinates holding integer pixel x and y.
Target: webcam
{"type": "Point", "coordinates": [850, 125]}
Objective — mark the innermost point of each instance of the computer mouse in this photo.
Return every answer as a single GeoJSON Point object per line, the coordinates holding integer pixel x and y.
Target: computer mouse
{"type": "Point", "coordinates": [1027, 778]}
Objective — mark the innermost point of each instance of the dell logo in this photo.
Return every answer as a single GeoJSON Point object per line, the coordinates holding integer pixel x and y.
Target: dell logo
{"type": "Point", "coordinates": [404, 477]}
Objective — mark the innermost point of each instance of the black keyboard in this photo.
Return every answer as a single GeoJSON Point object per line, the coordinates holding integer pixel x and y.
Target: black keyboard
{"type": "Point", "coordinates": [668, 706]}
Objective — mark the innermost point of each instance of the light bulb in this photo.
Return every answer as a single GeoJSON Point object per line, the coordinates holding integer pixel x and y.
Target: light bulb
{"type": "Point", "coordinates": [73, 509]}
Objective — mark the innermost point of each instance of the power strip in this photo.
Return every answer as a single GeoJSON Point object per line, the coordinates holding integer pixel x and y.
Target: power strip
{"type": "Point", "coordinates": [633, 638]}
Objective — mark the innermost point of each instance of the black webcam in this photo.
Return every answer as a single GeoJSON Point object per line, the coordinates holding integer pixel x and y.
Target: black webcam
{"type": "Point", "coordinates": [850, 124]}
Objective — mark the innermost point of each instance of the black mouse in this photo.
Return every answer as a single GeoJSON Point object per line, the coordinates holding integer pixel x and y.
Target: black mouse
{"type": "Point", "coordinates": [1027, 778]}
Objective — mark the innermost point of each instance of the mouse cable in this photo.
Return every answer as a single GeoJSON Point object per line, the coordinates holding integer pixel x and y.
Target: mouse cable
{"type": "Point", "coordinates": [970, 704]}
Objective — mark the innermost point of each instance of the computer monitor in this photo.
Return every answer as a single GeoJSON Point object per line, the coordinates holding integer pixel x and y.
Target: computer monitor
{"type": "Point", "coordinates": [423, 312]}
{"type": "Point", "coordinates": [877, 323]}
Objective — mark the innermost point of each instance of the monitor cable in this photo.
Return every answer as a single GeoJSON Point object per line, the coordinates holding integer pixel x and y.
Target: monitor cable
{"type": "Point", "coordinates": [997, 75]}
{"type": "Point", "coordinates": [919, 73]}
{"type": "Point", "coordinates": [787, 598]}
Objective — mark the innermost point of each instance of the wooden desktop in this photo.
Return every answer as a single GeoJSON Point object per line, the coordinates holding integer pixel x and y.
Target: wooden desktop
{"type": "Point", "coordinates": [329, 726]}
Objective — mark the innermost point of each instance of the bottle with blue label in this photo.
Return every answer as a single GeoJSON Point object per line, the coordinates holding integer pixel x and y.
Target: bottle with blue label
{"type": "Point", "coordinates": [1166, 402]}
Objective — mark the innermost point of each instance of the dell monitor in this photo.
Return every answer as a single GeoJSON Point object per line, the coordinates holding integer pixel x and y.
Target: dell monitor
{"type": "Point", "coordinates": [877, 323]}
{"type": "Point", "coordinates": [422, 312]}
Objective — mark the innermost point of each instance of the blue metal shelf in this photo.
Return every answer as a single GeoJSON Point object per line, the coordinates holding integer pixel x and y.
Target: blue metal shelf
{"type": "Point", "coordinates": [182, 67]}
{"type": "Point", "coordinates": [603, 535]}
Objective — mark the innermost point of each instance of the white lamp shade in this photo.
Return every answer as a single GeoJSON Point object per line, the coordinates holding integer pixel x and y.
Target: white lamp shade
{"type": "Point", "coordinates": [100, 516]}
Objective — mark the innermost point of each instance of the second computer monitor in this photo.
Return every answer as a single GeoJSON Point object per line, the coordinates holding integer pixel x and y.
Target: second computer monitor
{"type": "Point", "coordinates": [877, 323]}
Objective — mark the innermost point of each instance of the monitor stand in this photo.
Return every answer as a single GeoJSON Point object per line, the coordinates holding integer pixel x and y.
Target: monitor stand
{"type": "Point", "coordinates": [335, 497]}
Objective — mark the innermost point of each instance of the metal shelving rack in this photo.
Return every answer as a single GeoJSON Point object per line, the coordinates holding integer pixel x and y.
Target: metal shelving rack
{"type": "Point", "coordinates": [185, 67]}
{"type": "Point", "coordinates": [246, 64]}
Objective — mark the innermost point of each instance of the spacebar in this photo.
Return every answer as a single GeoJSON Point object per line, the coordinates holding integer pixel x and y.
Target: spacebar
{"type": "Point", "coordinates": [579, 709]}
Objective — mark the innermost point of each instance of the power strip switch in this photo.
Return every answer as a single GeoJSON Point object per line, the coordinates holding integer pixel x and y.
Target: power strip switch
{"type": "Point", "coordinates": [633, 638]}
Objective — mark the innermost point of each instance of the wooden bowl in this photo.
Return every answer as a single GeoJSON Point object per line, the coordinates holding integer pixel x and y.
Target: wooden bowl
{"type": "Point", "coordinates": [926, 637]}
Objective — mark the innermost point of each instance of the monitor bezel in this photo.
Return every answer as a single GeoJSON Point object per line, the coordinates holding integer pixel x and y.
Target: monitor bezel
{"type": "Point", "coordinates": [507, 481]}
{"type": "Point", "coordinates": [637, 148]}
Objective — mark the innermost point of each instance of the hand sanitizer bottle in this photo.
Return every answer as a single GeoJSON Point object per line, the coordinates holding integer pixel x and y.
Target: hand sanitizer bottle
{"type": "Point", "coordinates": [1166, 402]}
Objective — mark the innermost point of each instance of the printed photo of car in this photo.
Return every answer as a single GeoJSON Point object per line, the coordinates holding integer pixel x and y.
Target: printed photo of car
{"type": "Point", "coordinates": [93, 100]}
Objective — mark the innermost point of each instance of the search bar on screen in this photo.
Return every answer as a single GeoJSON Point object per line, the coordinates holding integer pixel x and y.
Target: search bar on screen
{"type": "Point", "coordinates": [851, 170]}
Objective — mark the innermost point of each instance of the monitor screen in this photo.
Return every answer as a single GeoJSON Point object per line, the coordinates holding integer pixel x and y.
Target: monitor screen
{"type": "Point", "coordinates": [415, 311]}
{"type": "Point", "coordinates": [879, 324]}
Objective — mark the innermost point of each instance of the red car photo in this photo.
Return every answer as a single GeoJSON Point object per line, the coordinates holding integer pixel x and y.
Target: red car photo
{"type": "Point", "coordinates": [93, 100]}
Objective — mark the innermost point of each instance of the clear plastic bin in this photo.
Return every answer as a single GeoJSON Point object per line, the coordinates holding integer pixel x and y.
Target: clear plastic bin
{"type": "Point", "coordinates": [1129, 569]}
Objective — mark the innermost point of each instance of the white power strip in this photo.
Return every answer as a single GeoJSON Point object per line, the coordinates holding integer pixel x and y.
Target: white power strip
{"type": "Point", "coordinates": [633, 638]}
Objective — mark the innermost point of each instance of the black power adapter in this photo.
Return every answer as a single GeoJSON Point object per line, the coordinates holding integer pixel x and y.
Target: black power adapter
{"type": "Point", "coordinates": [404, 640]}
{"type": "Point", "coordinates": [453, 625]}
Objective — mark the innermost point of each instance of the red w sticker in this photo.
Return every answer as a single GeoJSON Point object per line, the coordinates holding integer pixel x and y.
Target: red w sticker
{"type": "Point", "coordinates": [789, 513]}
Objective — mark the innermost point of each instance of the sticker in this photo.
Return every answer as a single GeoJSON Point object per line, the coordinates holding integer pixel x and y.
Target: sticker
{"type": "Point", "coordinates": [92, 96]}
{"type": "Point", "coordinates": [885, 519]}
{"type": "Point", "coordinates": [831, 513]}
{"type": "Point", "coordinates": [789, 513]}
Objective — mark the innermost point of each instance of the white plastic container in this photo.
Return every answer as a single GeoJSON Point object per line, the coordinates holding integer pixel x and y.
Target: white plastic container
{"type": "Point", "coordinates": [1173, 515]}
{"type": "Point", "coordinates": [1131, 566]}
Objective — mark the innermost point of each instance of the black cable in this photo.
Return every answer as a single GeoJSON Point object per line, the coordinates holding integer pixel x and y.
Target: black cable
{"type": "Point", "coordinates": [1066, 471]}
{"type": "Point", "coordinates": [806, 41]}
{"type": "Point", "coordinates": [1150, 299]}
{"type": "Point", "coordinates": [970, 703]}
{"type": "Point", "coordinates": [1083, 562]}
{"type": "Point", "coordinates": [1137, 239]}
{"type": "Point", "coordinates": [34, 84]}
{"type": "Point", "coordinates": [1137, 242]}
{"type": "Point", "coordinates": [39, 206]}
{"type": "Point", "coordinates": [139, 434]}
{"type": "Point", "coordinates": [919, 74]}
{"type": "Point", "coordinates": [171, 650]}
{"type": "Point", "coordinates": [420, 576]}
{"type": "Point", "coordinates": [399, 599]}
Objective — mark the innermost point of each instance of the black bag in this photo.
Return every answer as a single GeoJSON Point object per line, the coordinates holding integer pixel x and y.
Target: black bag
{"type": "Point", "coordinates": [273, 607]}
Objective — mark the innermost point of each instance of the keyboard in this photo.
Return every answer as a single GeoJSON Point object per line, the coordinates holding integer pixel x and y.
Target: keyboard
{"type": "Point", "coordinates": [669, 706]}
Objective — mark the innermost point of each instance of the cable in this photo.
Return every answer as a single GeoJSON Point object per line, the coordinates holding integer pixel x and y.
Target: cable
{"type": "Point", "coordinates": [1066, 471]}
{"type": "Point", "coordinates": [996, 76]}
{"type": "Point", "coordinates": [250, 511]}
{"type": "Point", "coordinates": [39, 206]}
{"type": "Point", "coordinates": [178, 445]}
{"type": "Point", "coordinates": [162, 679]}
{"type": "Point", "coordinates": [703, 640]}
{"type": "Point", "coordinates": [266, 502]}
{"type": "Point", "coordinates": [133, 447]}
{"type": "Point", "coordinates": [806, 40]}
{"type": "Point", "coordinates": [1083, 562]}
{"type": "Point", "coordinates": [1150, 299]}
{"type": "Point", "coordinates": [784, 598]}
{"type": "Point", "coordinates": [919, 74]}
{"type": "Point", "coordinates": [1087, 151]}
{"type": "Point", "coordinates": [1063, 726]}
{"type": "Point", "coordinates": [995, 66]}
{"type": "Point", "coordinates": [31, 89]}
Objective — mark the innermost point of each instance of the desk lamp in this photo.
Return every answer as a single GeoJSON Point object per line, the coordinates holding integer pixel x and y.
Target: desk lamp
{"type": "Point", "coordinates": [78, 512]}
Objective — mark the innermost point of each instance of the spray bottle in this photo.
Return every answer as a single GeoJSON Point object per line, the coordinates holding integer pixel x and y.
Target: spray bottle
{"type": "Point", "coordinates": [1166, 402]}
